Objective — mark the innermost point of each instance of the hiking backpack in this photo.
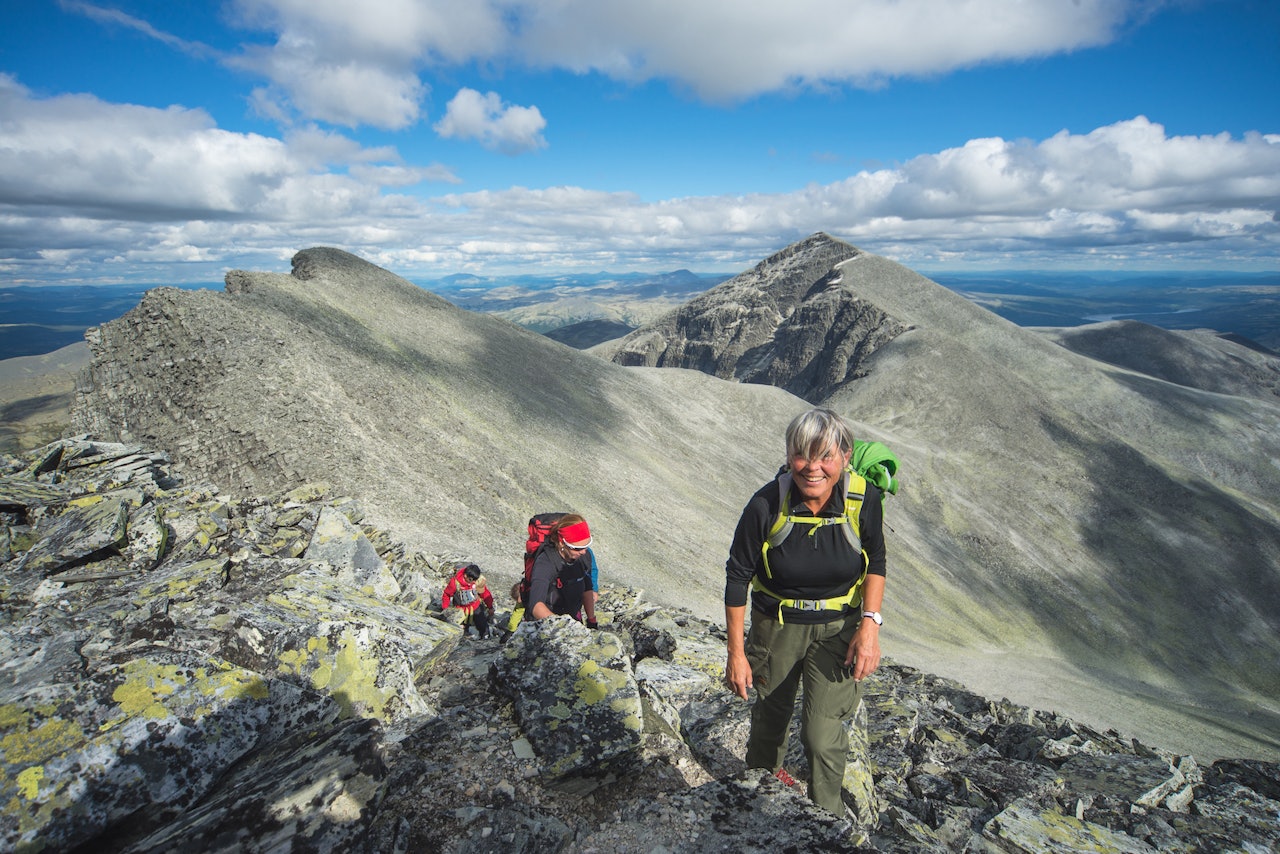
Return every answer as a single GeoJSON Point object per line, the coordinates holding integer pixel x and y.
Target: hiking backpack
{"type": "Point", "coordinates": [870, 462]}
{"type": "Point", "coordinates": [539, 526]}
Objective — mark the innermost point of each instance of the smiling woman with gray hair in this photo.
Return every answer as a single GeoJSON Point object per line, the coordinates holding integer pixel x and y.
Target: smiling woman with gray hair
{"type": "Point", "coordinates": [810, 547]}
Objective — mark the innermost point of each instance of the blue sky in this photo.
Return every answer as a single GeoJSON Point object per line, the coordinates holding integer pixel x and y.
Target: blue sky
{"type": "Point", "coordinates": [153, 141]}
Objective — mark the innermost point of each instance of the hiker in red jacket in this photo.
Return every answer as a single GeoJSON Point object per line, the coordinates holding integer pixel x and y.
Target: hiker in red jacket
{"type": "Point", "coordinates": [468, 592]}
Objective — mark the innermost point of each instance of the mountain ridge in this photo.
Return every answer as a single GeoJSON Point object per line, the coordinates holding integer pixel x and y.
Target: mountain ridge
{"type": "Point", "coordinates": [464, 425]}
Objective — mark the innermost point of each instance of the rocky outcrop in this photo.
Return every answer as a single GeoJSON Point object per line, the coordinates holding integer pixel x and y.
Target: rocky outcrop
{"type": "Point", "coordinates": [788, 322]}
{"type": "Point", "coordinates": [180, 670]}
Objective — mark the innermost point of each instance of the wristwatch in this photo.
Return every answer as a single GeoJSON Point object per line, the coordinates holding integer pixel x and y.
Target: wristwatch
{"type": "Point", "coordinates": [875, 617]}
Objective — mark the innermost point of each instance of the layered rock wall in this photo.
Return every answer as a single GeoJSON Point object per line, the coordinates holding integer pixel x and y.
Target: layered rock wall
{"type": "Point", "coordinates": [786, 322]}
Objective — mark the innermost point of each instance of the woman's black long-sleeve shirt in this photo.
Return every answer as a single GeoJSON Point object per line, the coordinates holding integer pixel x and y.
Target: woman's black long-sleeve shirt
{"type": "Point", "coordinates": [822, 566]}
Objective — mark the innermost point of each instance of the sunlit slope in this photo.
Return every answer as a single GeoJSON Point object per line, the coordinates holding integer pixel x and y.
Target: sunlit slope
{"type": "Point", "coordinates": [1067, 527]}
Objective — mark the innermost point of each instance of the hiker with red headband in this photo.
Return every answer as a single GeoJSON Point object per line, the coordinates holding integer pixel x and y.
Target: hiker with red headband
{"type": "Point", "coordinates": [561, 576]}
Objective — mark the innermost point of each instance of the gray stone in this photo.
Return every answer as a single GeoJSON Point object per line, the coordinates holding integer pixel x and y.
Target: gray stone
{"type": "Point", "coordinates": [339, 542]}
{"type": "Point", "coordinates": [1028, 828]}
{"type": "Point", "coordinates": [311, 791]}
{"type": "Point", "coordinates": [1140, 780]}
{"type": "Point", "coordinates": [747, 811]}
{"type": "Point", "coordinates": [24, 492]}
{"type": "Point", "coordinates": [82, 530]}
{"type": "Point", "coordinates": [575, 695]}
{"type": "Point", "coordinates": [82, 757]}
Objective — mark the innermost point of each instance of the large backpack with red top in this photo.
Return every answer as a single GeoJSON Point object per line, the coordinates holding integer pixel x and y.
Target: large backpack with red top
{"type": "Point", "coordinates": [539, 526]}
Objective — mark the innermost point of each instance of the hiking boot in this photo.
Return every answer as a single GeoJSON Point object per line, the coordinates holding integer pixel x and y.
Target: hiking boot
{"type": "Point", "coordinates": [787, 779]}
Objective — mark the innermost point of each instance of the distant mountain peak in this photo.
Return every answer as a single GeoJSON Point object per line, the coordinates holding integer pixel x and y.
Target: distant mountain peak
{"type": "Point", "coordinates": [787, 322]}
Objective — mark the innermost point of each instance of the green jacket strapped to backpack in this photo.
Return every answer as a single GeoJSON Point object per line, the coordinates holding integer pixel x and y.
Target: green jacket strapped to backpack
{"type": "Point", "coordinates": [877, 464]}
{"type": "Point", "coordinates": [870, 461]}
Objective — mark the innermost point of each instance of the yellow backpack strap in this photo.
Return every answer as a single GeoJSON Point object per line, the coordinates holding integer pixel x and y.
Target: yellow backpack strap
{"type": "Point", "coordinates": [855, 493]}
{"type": "Point", "coordinates": [855, 487]}
{"type": "Point", "coordinates": [781, 527]}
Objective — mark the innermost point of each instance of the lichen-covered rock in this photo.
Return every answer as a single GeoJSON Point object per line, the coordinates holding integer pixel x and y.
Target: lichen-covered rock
{"type": "Point", "coordinates": [80, 758]}
{"type": "Point", "coordinates": [340, 543]}
{"type": "Point", "coordinates": [750, 811]}
{"type": "Point", "coordinates": [575, 696]}
{"type": "Point", "coordinates": [80, 531]}
{"type": "Point", "coordinates": [675, 683]}
{"type": "Point", "coordinates": [717, 726]}
{"type": "Point", "coordinates": [218, 679]}
{"type": "Point", "coordinates": [22, 492]}
{"type": "Point", "coordinates": [859, 773]}
{"type": "Point", "coordinates": [1027, 828]}
{"type": "Point", "coordinates": [314, 791]}
{"type": "Point", "coordinates": [1145, 781]}
{"type": "Point", "coordinates": [148, 538]}
{"type": "Point", "coordinates": [368, 653]}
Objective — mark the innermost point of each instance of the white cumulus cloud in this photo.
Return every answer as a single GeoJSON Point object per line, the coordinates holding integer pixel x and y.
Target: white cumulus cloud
{"type": "Point", "coordinates": [365, 63]}
{"type": "Point", "coordinates": [494, 124]}
{"type": "Point", "coordinates": [93, 188]}
{"type": "Point", "coordinates": [718, 49]}
{"type": "Point", "coordinates": [728, 49]}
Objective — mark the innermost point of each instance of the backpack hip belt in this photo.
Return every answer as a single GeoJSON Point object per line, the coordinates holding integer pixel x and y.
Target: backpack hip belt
{"type": "Point", "coordinates": [837, 603]}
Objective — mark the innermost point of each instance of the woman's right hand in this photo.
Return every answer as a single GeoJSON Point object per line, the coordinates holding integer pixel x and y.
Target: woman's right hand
{"type": "Point", "coordinates": [737, 673]}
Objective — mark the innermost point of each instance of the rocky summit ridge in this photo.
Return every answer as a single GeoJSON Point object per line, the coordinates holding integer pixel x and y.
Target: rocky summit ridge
{"type": "Point", "coordinates": [786, 322]}
{"type": "Point", "coordinates": [187, 670]}
{"type": "Point", "coordinates": [1062, 520]}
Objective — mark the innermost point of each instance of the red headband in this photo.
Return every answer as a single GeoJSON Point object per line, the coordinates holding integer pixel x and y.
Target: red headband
{"type": "Point", "coordinates": [576, 536]}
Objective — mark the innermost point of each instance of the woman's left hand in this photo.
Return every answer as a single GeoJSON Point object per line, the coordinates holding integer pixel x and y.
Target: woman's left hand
{"type": "Point", "coordinates": [863, 656]}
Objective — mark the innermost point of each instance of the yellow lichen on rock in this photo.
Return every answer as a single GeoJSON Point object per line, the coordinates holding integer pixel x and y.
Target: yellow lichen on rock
{"type": "Point", "coordinates": [231, 683]}
{"type": "Point", "coordinates": [29, 781]}
{"type": "Point", "coordinates": [592, 684]}
{"type": "Point", "coordinates": [148, 685]}
{"type": "Point", "coordinates": [41, 743]}
{"type": "Point", "coordinates": [346, 669]}
{"type": "Point", "coordinates": [144, 686]}
{"type": "Point", "coordinates": [353, 680]}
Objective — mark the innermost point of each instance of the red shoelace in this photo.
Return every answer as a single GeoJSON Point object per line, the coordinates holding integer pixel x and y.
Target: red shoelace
{"type": "Point", "coordinates": [787, 779]}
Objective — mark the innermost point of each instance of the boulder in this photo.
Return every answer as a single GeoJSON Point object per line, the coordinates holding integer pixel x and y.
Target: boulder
{"type": "Point", "coordinates": [576, 697]}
